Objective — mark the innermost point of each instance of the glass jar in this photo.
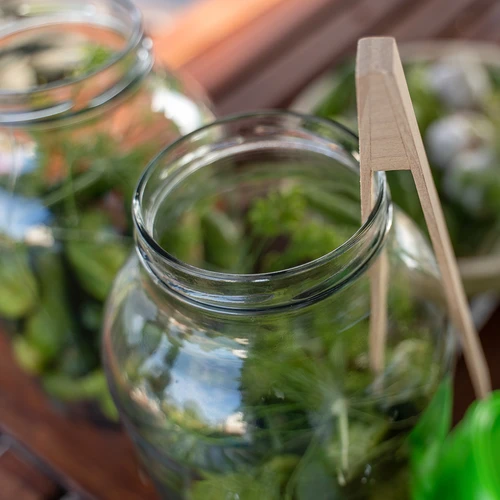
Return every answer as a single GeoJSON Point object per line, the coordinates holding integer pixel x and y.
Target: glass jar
{"type": "Point", "coordinates": [83, 109]}
{"type": "Point", "coordinates": [236, 337]}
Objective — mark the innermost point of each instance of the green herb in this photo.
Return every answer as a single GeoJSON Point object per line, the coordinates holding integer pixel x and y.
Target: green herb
{"type": "Point", "coordinates": [337, 208]}
{"type": "Point", "coordinates": [107, 405]}
{"type": "Point", "coordinates": [89, 387]}
{"type": "Point", "coordinates": [44, 289]}
{"type": "Point", "coordinates": [340, 101]}
{"type": "Point", "coordinates": [27, 356]}
{"type": "Point", "coordinates": [316, 480]}
{"type": "Point", "coordinates": [211, 238]}
{"type": "Point", "coordinates": [76, 359]}
{"type": "Point", "coordinates": [265, 483]}
{"type": "Point", "coordinates": [289, 213]}
{"type": "Point", "coordinates": [18, 287]}
{"type": "Point", "coordinates": [427, 439]}
{"type": "Point", "coordinates": [222, 241]}
{"type": "Point", "coordinates": [316, 418]}
{"type": "Point", "coordinates": [96, 262]}
{"type": "Point", "coordinates": [95, 57]}
{"type": "Point", "coordinates": [277, 213]}
{"type": "Point", "coordinates": [308, 242]}
{"type": "Point", "coordinates": [185, 239]}
{"type": "Point", "coordinates": [50, 326]}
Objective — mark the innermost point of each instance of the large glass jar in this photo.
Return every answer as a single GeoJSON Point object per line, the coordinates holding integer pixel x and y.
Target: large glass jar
{"type": "Point", "coordinates": [83, 109]}
{"type": "Point", "coordinates": [237, 336]}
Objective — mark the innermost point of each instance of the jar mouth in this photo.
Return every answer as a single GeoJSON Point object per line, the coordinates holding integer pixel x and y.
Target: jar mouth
{"type": "Point", "coordinates": [369, 235]}
{"type": "Point", "coordinates": [57, 12]}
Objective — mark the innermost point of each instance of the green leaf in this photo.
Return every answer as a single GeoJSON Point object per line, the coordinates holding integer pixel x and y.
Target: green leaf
{"type": "Point", "coordinates": [278, 469]}
{"type": "Point", "coordinates": [184, 240]}
{"type": "Point", "coordinates": [27, 356]}
{"type": "Point", "coordinates": [283, 214]}
{"type": "Point", "coordinates": [74, 361]}
{"type": "Point", "coordinates": [95, 57]}
{"type": "Point", "coordinates": [342, 98]}
{"type": "Point", "coordinates": [95, 167]}
{"type": "Point", "coordinates": [92, 315]}
{"type": "Point", "coordinates": [66, 388]}
{"type": "Point", "coordinates": [264, 483]}
{"type": "Point", "coordinates": [18, 287]}
{"type": "Point", "coordinates": [46, 333]}
{"type": "Point", "coordinates": [235, 486]}
{"type": "Point", "coordinates": [278, 213]}
{"type": "Point", "coordinates": [108, 407]}
{"type": "Point", "coordinates": [411, 371]}
{"type": "Point", "coordinates": [308, 241]}
{"type": "Point", "coordinates": [223, 241]}
{"type": "Point", "coordinates": [427, 439]}
{"type": "Point", "coordinates": [98, 256]}
{"type": "Point", "coordinates": [316, 481]}
{"type": "Point", "coordinates": [50, 326]}
{"type": "Point", "coordinates": [352, 452]}
{"type": "Point", "coordinates": [123, 171]}
{"type": "Point", "coordinates": [338, 209]}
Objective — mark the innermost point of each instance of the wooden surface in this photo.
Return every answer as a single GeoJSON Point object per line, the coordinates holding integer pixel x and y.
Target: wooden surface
{"type": "Point", "coordinates": [79, 455]}
{"type": "Point", "coordinates": [271, 53]}
{"type": "Point", "coordinates": [279, 53]}
{"type": "Point", "coordinates": [21, 479]}
{"type": "Point", "coordinates": [206, 24]}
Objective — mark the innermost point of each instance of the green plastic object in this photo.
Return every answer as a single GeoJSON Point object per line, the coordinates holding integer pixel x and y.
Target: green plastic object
{"type": "Point", "coordinates": [467, 466]}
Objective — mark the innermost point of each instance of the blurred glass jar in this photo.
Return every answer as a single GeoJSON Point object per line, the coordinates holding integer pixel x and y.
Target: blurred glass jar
{"type": "Point", "coordinates": [236, 338]}
{"type": "Point", "coordinates": [83, 109]}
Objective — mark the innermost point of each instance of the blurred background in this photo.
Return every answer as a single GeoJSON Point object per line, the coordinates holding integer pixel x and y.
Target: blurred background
{"type": "Point", "coordinates": [160, 15]}
{"type": "Point", "coordinates": [254, 54]}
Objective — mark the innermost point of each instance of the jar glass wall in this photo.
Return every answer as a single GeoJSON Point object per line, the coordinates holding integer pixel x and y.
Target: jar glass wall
{"type": "Point", "coordinates": [83, 109]}
{"type": "Point", "coordinates": [236, 338]}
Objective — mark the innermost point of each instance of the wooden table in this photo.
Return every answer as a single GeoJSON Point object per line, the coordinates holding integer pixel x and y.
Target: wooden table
{"type": "Point", "coordinates": [259, 54]}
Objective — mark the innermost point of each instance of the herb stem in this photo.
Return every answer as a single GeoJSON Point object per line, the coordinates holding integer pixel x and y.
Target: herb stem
{"type": "Point", "coordinates": [339, 409]}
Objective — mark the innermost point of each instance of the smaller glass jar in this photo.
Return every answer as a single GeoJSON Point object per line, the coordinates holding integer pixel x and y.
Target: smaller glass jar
{"type": "Point", "coordinates": [236, 338]}
{"type": "Point", "coordinates": [83, 109]}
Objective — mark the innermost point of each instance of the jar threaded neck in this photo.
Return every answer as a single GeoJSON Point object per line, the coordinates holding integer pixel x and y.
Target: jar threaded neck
{"type": "Point", "coordinates": [217, 144]}
{"type": "Point", "coordinates": [115, 24]}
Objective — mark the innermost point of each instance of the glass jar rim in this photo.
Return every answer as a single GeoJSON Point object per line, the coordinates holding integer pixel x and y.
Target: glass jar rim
{"type": "Point", "coordinates": [133, 40]}
{"type": "Point", "coordinates": [216, 276]}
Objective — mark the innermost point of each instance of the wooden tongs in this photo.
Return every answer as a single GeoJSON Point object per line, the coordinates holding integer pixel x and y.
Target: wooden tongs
{"type": "Point", "coordinates": [389, 139]}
